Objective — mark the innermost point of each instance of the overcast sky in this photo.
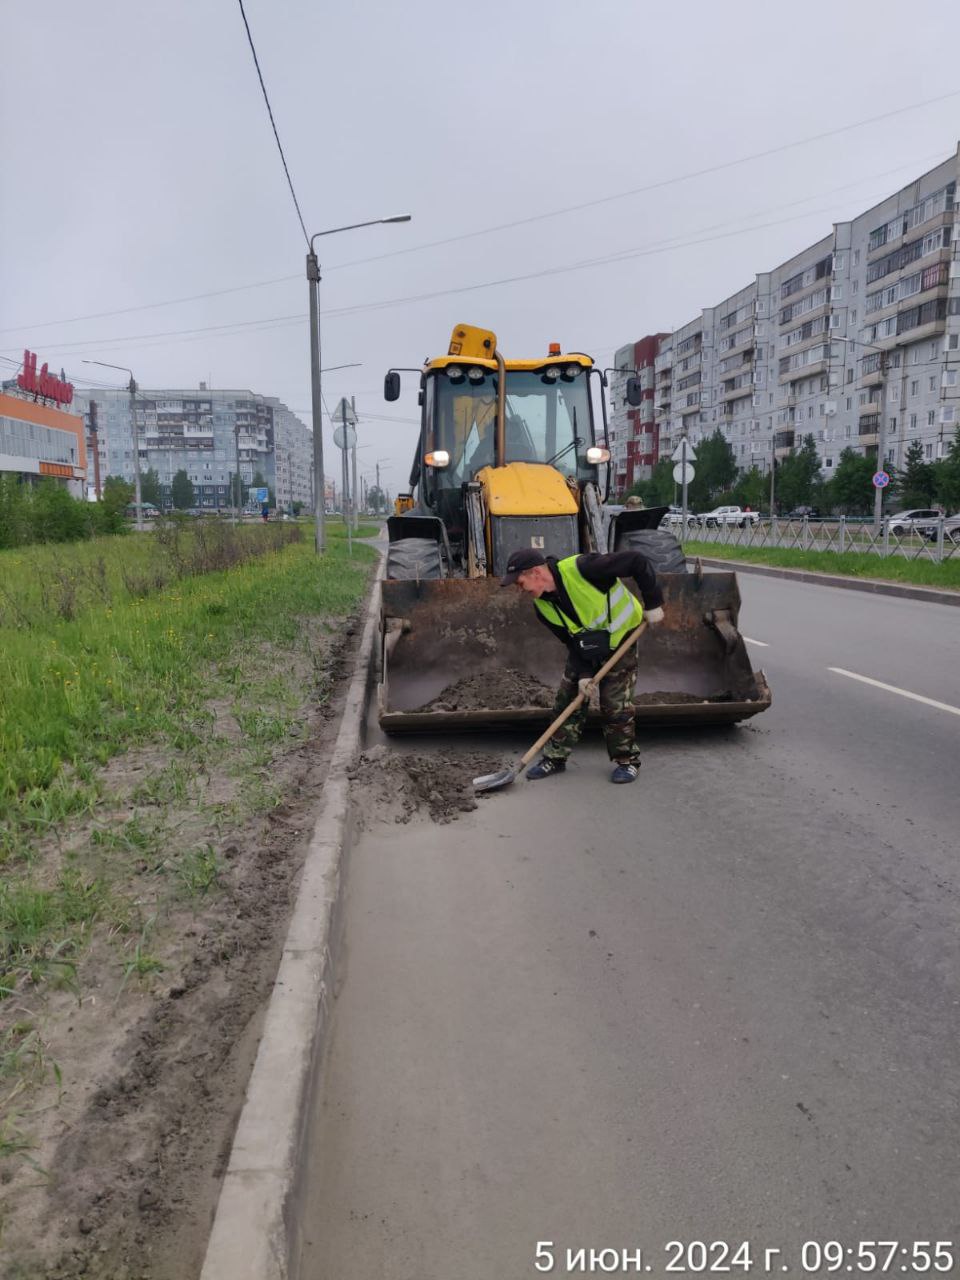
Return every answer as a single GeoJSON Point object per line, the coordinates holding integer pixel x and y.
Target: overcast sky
{"type": "Point", "coordinates": [139, 167]}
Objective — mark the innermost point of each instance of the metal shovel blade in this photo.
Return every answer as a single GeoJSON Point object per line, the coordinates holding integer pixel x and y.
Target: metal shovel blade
{"type": "Point", "coordinates": [494, 781]}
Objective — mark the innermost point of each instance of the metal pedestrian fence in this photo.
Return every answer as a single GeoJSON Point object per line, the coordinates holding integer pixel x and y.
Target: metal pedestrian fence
{"type": "Point", "coordinates": [931, 541]}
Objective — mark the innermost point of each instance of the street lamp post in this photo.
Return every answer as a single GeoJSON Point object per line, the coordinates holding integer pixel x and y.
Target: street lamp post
{"type": "Point", "coordinates": [313, 281]}
{"type": "Point", "coordinates": [132, 388]}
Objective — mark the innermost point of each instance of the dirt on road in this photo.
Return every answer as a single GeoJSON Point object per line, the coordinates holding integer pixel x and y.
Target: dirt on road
{"type": "Point", "coordinates": [390, 785]}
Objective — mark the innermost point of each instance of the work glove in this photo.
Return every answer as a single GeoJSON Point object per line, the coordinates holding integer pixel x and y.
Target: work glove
{"type": "Point", "coordinates": [653, 616]}
{"type": "Point", "coordinates": [585, 685]}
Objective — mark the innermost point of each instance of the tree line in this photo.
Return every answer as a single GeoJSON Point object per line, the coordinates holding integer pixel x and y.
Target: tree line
{"type": "Point", "coordinates": [798, 481]}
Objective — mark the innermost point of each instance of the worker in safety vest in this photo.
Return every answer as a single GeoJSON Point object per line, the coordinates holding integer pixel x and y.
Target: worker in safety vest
{"type": "Point", "coordinates": [583, 602]}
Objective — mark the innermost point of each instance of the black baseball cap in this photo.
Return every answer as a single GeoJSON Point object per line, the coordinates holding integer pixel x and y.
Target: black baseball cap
{"type": "Point", "coordinates": [518, 562]}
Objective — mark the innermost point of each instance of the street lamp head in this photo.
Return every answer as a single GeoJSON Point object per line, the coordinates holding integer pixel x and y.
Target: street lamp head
{"type": "Point", "coordinates": [401, 217]}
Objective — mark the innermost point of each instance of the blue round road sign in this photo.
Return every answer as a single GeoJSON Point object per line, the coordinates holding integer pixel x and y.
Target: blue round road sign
{"type": "Point", "coordinates": [881, 480]}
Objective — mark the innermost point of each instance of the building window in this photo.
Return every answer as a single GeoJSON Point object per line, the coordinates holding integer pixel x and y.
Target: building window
{"type": "Point", "coordinates": [928, 450]}
{"type": "Point", "coordinates": [915, 387]}
{"type": "Point", "coordinates": [913, 422]}
{"type": "Point", "coordinates": [931, 417]}
{"type": "Point", "coordinates": [950, 378]}
{"type": "Point", "coordinates": [932, 380]}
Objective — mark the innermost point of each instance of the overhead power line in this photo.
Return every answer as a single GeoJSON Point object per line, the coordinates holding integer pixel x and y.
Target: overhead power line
{"type": "Point", "coordinates": [286, 170]}
{"type": "Point", "coordinates": [657, 247]}
{"type": "Point", "coordinates": [432, 244]}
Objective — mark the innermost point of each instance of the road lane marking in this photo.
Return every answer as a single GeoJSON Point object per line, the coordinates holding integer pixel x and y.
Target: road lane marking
{"type": "Point", "coordinates": [762, 643]}
{"type": "Point", "coordinates": [904, 693]}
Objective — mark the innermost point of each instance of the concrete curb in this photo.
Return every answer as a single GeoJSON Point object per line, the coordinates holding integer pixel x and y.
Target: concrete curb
{"type": "Point", "coordinates": [931, 595]}
{"type": "Point", "coordinates": [255, 1225]}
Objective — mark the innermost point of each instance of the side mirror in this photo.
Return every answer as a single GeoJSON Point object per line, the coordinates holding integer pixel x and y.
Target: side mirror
{"type": "Point", "coordinates": [391, 386]}
{"type": "Point", "coordinates": [634, 392]}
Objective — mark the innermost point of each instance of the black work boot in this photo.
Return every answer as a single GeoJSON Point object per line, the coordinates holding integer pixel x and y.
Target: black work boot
{"type": "Point", "coordinates": [545, 767]}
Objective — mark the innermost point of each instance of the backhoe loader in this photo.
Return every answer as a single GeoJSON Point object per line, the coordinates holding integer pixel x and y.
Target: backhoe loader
{"type": "Point", "coordinates": [509, 456]}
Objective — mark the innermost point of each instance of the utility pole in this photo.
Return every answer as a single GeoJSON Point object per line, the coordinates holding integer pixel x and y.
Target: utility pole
{"type": "Point", "coordinates": [94, 446]}
{"type": "Point", "coordinates": [239, 496]}
{"type": "Point", "coordinates": [132, 388]}
{"type": "Point", "coordinates": [773, 474]}
{"type": "Point", "coordinates": [313, 281]}
{"type": "Point", "coordinates": [354, 506]}
{"type": "Point", "coordinates": [313, 278]}
{"type": "Point", "coordinates": [379, 491]}
{"type": "Point", "coordinates": [344, 469]}
{"type": "Point", "coordinates": [683, 463]}
{"type": "Point", "coordinates": [881, 441]}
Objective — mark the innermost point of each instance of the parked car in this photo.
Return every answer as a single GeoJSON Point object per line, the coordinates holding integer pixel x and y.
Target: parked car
{"type": "Point", "coordinates": [149, 511]}
{"type": "Point", "coordinates": [674, 518]}
{"type": "Point", "coordinates": [802, 513]}
{"type": "Point", "coordinates": [913, 521]}
{"type": "Point", "coordinates": [951, 530]}
{"type": "Point", "coordinates": [727, 516]}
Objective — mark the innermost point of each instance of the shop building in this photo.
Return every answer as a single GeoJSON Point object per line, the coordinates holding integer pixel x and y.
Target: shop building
{"type": "Point", "coordinates": [41, 435]}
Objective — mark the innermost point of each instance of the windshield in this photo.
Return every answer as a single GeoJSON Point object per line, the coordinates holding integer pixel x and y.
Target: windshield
{"type": "Point", "coordinates": [547, 420]}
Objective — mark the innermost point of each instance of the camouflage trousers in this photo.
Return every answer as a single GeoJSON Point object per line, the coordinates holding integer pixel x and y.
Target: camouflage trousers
{"type": "Point", "coordinates": [616, 707]}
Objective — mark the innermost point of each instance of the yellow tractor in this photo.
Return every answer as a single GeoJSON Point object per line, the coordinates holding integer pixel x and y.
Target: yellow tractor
{"type": "Point", "coordinates": [508, 457]}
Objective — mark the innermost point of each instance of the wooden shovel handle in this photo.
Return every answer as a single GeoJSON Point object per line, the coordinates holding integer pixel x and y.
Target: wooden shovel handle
{"type": "Point", "coordinates": [568, 710]}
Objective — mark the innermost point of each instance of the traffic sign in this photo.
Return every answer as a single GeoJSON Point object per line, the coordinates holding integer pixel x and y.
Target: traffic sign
{"type": "Point", "coordinates": [344, 437]}
{"type": "Point", "coordinates": [881, 480]}
{"type": "Point", "coordinates": [677, 455]}
{"type": "Point", "coordinates": [683, 474]}
{"type": "Point", "coordinates": [261, 495]}
{"type": "Point", "coordinates": [344, 412]}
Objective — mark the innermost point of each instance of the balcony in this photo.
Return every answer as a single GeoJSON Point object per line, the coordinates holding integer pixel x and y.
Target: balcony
{"type": "Point", "coordinates": [872, 406]}
{"type": "Point", "coordinates": [868, 427]}
{"type": "Point", "coordinates": [736, 393]}
{"type": "Point", "coordinates": [783, 439]}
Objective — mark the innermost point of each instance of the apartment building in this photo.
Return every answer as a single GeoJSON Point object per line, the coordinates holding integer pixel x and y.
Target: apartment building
{"type": "Point", "coordinates": [209, 434]}
{"type": "Point", "coordinates": [855, 340]}
{"type": "Point", "coordinates": [633, 430]}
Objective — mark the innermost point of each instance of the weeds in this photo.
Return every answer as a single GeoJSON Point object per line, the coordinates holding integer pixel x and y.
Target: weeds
{"type": "Point", "coordinates": [199, 870]}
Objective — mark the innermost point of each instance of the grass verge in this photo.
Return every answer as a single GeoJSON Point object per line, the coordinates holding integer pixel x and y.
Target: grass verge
{"type": "Point", "coordinates": [925, 573]}
{"type": "Point", "coordinates": [154, 671]}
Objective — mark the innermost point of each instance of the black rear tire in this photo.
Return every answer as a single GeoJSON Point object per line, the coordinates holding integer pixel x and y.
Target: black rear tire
{"type": "Point", "coordinates": [414, 558]}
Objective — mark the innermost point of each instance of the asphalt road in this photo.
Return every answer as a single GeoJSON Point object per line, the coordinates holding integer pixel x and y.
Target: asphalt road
{"type": "Point", "coordinates": [718, 1005]}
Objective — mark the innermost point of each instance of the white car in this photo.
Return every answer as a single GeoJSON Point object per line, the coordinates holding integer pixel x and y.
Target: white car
{"type": "Point", "coordinates": [674, 519]}
{"type": "Point", "coordinates": [916, 520]}
{"type": "Point", "coordinates": [728, 516]}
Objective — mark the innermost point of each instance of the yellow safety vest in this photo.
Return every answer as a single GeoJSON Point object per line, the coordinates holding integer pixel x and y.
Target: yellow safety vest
{"type": "Point", "coordinates": [617, 610]}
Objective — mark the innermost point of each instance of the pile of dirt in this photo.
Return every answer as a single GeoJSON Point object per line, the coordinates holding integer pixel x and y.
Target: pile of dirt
{"type": "Point", "coordinates": [393, 786]}
{"type": "Point", "coordinates": [493, 690]}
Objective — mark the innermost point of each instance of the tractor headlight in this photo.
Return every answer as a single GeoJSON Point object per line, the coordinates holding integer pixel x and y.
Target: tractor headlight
{"type": "Point", "coordinates": [596, 455]}
{"type": "Point", "coordinates": [572, 371]}
{"type": "Point", "coordinates": [439, 458]}
{"type": "Point", "coordinates": [476, 375]}
{"type": "Point", "coordinates": [455, 372]}
{"type": "Point", "coordinates": [551, 374]}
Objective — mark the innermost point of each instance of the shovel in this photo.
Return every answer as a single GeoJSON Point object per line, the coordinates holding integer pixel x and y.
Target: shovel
{"type": "Point", "coordinates": [494, 781]}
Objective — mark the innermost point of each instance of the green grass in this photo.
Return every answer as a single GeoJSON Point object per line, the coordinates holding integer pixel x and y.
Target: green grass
{"type": "Point", "coordinates": [77, 692]}
{"type": "Point", "coordinates": [893, 568]}
{"type": "Point", "coordinates": [139, 671]}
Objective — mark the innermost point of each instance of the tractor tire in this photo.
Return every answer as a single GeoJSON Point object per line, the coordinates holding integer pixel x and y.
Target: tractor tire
{"type": "Point", "coordinates": [414, 559]}
{"type": "Point", "coordinates": [660, 547]}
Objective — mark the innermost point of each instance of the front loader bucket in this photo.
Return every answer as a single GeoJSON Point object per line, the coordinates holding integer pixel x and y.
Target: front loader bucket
{"type": "Point", "coordinates": [461, 654]}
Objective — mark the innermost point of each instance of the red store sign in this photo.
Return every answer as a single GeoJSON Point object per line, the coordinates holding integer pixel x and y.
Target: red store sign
{"type": "Point", "coordinates": [46, 384]}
